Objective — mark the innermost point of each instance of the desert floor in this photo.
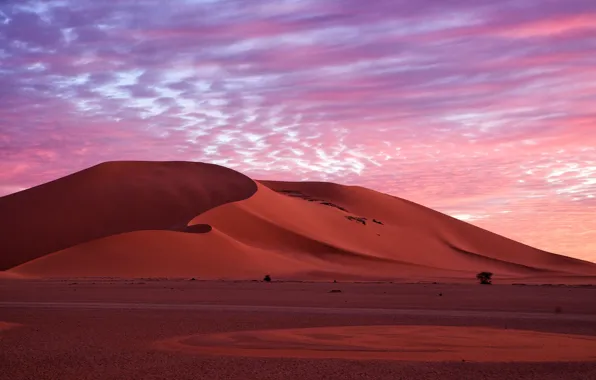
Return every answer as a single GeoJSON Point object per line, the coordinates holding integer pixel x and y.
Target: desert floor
{"type": "Point", "coordinates": [182, 329]}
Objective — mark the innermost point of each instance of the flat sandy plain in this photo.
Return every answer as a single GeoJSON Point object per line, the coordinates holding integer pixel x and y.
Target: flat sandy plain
{"type": "Point", "coordinates": [182, 329]}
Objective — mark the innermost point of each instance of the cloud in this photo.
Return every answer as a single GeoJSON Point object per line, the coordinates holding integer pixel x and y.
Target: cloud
{"type": "Point", "coordinates": [480, 109]}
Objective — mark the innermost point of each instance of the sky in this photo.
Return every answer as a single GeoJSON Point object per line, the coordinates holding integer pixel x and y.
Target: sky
{"type": "Point", "coordinates": [484, 110]}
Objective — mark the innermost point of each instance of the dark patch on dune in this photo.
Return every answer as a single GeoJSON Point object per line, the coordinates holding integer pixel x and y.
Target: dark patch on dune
{"type": "Point", "coordinates": [358, 219]}
{"type": "Point", "coordinates": [333, 205]}
{"type": "Point", "coordinates": [198, 229]}
{"type": "Point", "coordinates": [306, 197]}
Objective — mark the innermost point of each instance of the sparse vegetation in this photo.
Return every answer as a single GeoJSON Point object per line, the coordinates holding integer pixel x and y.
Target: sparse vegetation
{"type": "Point", "coordinates": [485, 278]}
{"type": "Point", "coordinates": [333, 205]}
{"type": "Point", "coordinates": [335, 291]}
{"type": "Point", "coordinates": [306, 197]}
{"type": "Point", "coordinates": [377, 221]}
{"type": "Point", "coordinates": [267, 278]}
{"type": "Point", "coordinates": [357, 219]}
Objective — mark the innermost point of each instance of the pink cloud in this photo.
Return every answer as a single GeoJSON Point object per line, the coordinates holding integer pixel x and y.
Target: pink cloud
{"type": "Point", "coordinates": [554, 26]}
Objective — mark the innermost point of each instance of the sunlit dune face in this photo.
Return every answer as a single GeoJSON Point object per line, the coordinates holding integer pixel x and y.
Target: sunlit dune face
{"type": "Point", "coordinates": [406, 343]}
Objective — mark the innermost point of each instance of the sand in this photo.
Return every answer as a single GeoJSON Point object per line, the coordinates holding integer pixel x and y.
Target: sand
{"type": "Point", "coordinates": [7, 325]}
{"type": "Point", "coordinates": [161, 329]}
{"type": "Point", "coordinates": [109, 199]}
{"type": "Point", "coordinates": [392, 342]}
{"type": "Point", "coordinates": [180, 219]}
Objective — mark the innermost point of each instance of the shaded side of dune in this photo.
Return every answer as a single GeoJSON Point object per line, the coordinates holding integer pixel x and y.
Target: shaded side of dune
{"type": "Point", "coordinates": [112, 198]}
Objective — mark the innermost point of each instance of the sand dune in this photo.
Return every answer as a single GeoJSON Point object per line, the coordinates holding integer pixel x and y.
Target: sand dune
{"type": "Point", "coordinates": [467, 239]}
{"type": "Point", "coordinates": [112, 198]}
{"type": "Point", "coordinates": [184, 219]}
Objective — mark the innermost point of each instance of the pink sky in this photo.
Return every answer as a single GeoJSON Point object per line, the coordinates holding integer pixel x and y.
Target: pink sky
{"type": "Point", "coordinates": [484, 110]}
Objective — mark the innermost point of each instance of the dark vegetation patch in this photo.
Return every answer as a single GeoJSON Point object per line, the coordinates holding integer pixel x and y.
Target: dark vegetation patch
{"type": "Point", "coordinates": [334, 205]}
{"type": "Point", "coordinates": [357, 219]}
{"type": "Point", "coordinates": [306, 197]}
{"type": "Point", "coordinates": [485, 278]}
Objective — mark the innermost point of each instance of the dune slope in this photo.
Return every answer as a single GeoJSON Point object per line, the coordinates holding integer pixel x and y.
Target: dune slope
{"type": "Point", "coordinates": [159, 254]}
{"type": "Point", "coordinates": [454, 235]}
{"type": "Point", "coordinates": [112, 198]}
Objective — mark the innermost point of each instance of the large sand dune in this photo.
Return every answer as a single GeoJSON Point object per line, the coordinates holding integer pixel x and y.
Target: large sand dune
{"type": "Point", "coordinates": [112, 198]}
{"type": "Point", "coordinates": [187, 219]}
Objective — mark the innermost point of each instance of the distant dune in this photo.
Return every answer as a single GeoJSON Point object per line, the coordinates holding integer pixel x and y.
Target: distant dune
{"type": "Point", "coordinates": [182, 219]}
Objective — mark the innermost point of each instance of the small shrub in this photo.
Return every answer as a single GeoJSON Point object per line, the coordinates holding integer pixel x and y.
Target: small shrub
{"type": "Point", "coordinates": [485, 278]}
{"type": "Point", "coordinates": [267, 278]}
{"type": "Point", "coordinates": [335, 291]}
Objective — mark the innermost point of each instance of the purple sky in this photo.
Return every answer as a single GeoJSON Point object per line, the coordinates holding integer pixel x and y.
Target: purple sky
{"type": "Point", "coordinates": [485, 110]}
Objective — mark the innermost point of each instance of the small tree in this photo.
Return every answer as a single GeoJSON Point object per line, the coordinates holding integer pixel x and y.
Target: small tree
{"type": "Point", "coordinates": [267, 278]}
{"type": "Point", "coordinates": [485, 278]}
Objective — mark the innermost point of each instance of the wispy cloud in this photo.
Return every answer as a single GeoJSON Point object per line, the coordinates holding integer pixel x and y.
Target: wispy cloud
{"type": "Point", "coordinates": [480, 109]}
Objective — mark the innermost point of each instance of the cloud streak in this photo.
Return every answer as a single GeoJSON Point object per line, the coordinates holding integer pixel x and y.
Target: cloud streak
{"type": "Point", "coordinates": [480, 109]}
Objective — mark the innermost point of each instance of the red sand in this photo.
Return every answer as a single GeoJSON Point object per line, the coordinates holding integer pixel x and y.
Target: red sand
{"type": "Point", "coordinates": [7, 325]}
{"type": "Point", "coordinates": [405, 343]}
{"type": "Point", "coordinates": [115, 329]}
{"type": "Point", "coordinates": [176, 219]}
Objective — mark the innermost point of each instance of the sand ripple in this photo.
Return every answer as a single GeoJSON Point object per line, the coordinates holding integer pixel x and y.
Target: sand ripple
{"type": "Point", "coordinates": [409, 343]}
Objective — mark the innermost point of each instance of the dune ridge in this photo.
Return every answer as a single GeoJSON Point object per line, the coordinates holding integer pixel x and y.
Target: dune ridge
{"type": "Point", "coordinates": [184, 219]}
